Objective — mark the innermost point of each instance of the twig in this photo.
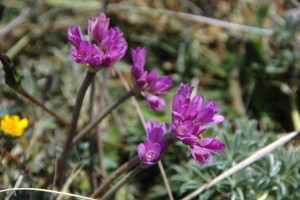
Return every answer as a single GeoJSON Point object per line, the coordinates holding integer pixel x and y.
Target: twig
{"type": "Point", "coordinates": [15, 22]}
{"type": "Point", "coordinates": [166, 181]}
{"type": "Point", "coordinates": [49, 191]}
{"type": "Point", "coordinates": [124, 180]}
{"type": "Point", "coordinates": [18, 182]}
{"type": "Point", "coordinates": [235, 91]}
{"type": "Point", "coordinates": [13, 80]}
{"type": "Point", "coordinates": [73, 125]}
{"type": "Point", "coordinates": [294, 109]}
{"type": "Point", "coordinates": [193, 17]}
{"type": "Point", "coordinates": [101, 116]}
{"type": "Point", "coordinates": [41, 105]}
{"type": "Point", "coordinates": [107, 182]}
{"type": "Point", "coordinates": [248, 161]}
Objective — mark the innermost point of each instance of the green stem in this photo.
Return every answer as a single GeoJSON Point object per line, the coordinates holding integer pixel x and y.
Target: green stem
{"type": "Point", "coordinates": [73, 125]}
{"type": "Point", "coordinates": [90, 168]}
{"type": "Point", "coordinates": [125, 167]}
{"type": "Point", "coordinates": [107, 182]}
{"type": "Point", "coordinates": [101, 116]}
{"type": "Point", "coordinates": [124, 180]}
{"type": "Point", "coordinates": [98, 129]}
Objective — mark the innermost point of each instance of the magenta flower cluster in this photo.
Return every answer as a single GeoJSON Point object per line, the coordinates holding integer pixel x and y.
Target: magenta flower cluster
{"type": "Point", "coordinates": [149, 83]}
{"type": "Point", "coordinates": [189, 118]}
{"type": "Point", "coordinates": [106, 45]}
{"type": "Point", "coordinates": [152, 148]}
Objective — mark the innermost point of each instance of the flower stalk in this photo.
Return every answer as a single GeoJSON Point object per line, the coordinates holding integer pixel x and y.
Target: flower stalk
{"type": "Point", "coordinates": [124, 180]}
{"type": "Point", "coordinates": [101, 116]}
{"type": "Point", "coordinates": [116, 174]}
{"type": "Point", "coordinates": [13, 80]}
{"type": "Point", "coordinates": [73, 125]}
{"type": "Point", "coordinates": [125, 167]}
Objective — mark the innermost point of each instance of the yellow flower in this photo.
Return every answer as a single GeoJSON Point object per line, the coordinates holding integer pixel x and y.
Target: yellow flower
{"type": "Point", "coordinates": [13, 125]}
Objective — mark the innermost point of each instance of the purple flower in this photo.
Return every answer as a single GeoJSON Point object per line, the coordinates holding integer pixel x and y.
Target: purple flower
{"type": "Point", "coordinates": [107, 44]}
{"type": "Point", "coordinates": [202, 155]}
{"type": "Point", "coordinates": [150, 84]}
{"type": "Point", "coordinates": [75, 35]}
{"type": "Point", "coordinates": [192, 113]}
{"type": "Point", "coordinates": [195, 109]}
{"type": "Point", "coordinates": [97, 28]}
{"type": "Point", "coordinates": [189, 116]}
{"type": "Point", "coordinates": [114, 45]}
{"type": "Point", "coordinates": [156, 102]}
{"type": "Point", "coordinates": [152, 148]}
{"type": "Point", "coordinates": [202, 151]}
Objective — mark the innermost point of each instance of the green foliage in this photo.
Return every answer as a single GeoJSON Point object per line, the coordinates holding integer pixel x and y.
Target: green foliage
{"type": "Point", "coordinates": [275, 175]}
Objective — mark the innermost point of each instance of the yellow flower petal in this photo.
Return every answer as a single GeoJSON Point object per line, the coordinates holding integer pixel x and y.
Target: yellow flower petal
{"type": "Point", "coordinates": [13, 125]}
{"type": "Point", "coordinates": [23, 123]}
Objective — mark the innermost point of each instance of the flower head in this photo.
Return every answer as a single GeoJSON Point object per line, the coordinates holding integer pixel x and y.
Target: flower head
{"type": "Point", "coordinates": [106, 47]}
{"type": "Point", "coordinates": [192, 113]}
{"type": "Point", "coordinates": [148, 82]}
{"type": "Point", "coordinates": [13, 125]}
{"type": "Point", "coordinates": [75, 35]}
{"type": "Point", "coordinates": [97, 28]}
{"type": "Point", "coordinates": [202, 151]}
{"type": "Point", "coordinates": [152, 148]}
{"type": "Point", "coordinates": [189, 118]}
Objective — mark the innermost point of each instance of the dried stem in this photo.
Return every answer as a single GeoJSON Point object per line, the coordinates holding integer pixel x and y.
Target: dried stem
{"type": "Point", "coordinates": [196, 18]}
{"type": "Point", "coordinates": [13, 80]}
{"type": "Point", "coordinates": [236, 91]}
{"type": "Point", "coordinates": [45, 190]}
{"type": "Point", "coordinates": [73, 125]}
{"type": "Point", "coordinates": [294, 109]}
{"type": "Point", "coordinates": [15, 22]}
{"type": "Point", "coordinates": [248, 161]}
{"type": "Point", "coordinates": [166, 181]}
{"type": "Point", "coordinates": [101, 116]}
{"type": "Point", "coordinates": [41, 105]}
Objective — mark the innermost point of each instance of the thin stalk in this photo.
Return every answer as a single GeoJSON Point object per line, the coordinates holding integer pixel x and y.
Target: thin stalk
{"type": "Point", "coordinates": [41, 105]}
{"type": "Point", "coordinates": [124, 180]}
{"type": "Point", "coordinates": [243, 164]}
{"type": "Point", "coordinates": [125, 167]}
{"type": "Point", "coordinates": [235, 91]}
{"type": "Point", "coordinates": [101, 116]}
{"type": "Point", "coordinates": [73, 125]}
{"type": "Point", "coordinates": [294, 109]}
{"type": "Point", "coordinates": [98, 130]}
{"type": "Point", "coordinates": [116, 174]}
{"type": "Point", "coordinates": [15, 22]}
{"type": "Point", "coordinates": [166, 181]}
{"type": "Point", "coordinates": [48, 191]}
{"type": "Point", "coordinates": [13, 80]}
{"type": "Point", "coordinates": [92, 177]}
{"type": "Point", "coordinates": [140, 113]}
{"type": "Point", "coordinates": [196, 18]}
